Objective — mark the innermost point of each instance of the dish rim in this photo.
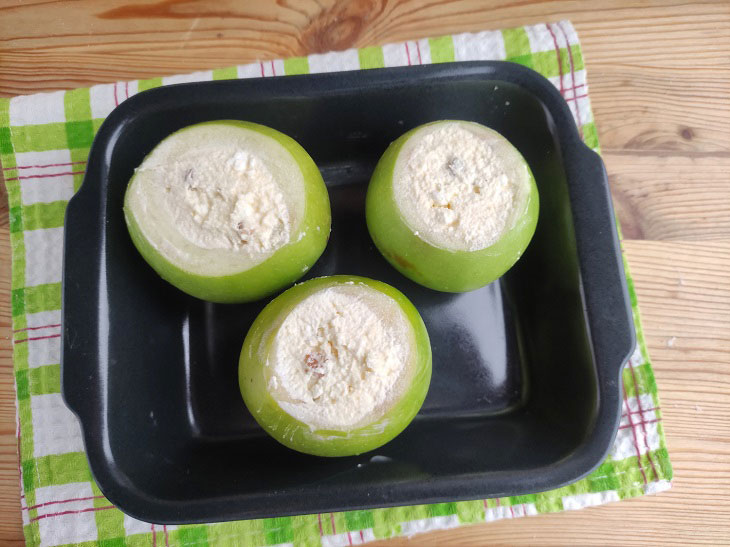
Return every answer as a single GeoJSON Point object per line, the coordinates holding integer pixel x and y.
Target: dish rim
{"type": "Point", "coordinates": [607, 306]}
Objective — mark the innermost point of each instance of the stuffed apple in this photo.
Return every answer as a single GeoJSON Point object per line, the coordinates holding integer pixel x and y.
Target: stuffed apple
{"type": "Point", "coordinates": [452, 205]}
{"type": "Point", "coordinates": [336, 366]}
{"type": "Point", "coordinates": [228, 211]}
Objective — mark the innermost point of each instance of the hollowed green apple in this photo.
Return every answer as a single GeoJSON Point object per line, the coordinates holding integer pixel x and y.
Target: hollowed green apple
{"type": "Point", "coordinates": [228, 211]}
{"type": "Point", "coordinates": [432, 166]}
{"type": "Point", "coordinates": [336, 366]}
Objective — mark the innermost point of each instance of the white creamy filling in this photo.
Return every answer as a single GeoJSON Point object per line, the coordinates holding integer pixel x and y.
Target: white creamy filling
{"type": "Point", "coordinates": [340, 357]}
{"type": "Point", "coordinates": [457, 185]}
{"type": "Point", "coordinates": [225, 199]}
{"type": "Point", "coordinates": [217, 199]}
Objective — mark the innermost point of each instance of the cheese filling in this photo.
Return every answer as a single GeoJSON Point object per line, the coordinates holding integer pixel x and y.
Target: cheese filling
{"type": "Point", "coordinates": [457, 185]}
{"type": "Point", "coordinates": [217, 199]}
{"type": "Point", "coordinates": [340, 357]}
{"type": "Point", "coordinates": [225, 199]}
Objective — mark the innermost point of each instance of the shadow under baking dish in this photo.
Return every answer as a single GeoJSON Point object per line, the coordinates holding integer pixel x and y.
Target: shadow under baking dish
{"type": "Point", "coordinates": [524, 396]}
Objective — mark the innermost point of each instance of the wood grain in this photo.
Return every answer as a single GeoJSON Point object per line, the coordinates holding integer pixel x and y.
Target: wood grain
{"type": "Point", "coordinates": [10, 524]}
{"type": "Point", "coordinates": [689, 348]}
{"type": "Point", "coordinates": [670, 196]}
{"type": "Point", "coordinates": [659, 74]}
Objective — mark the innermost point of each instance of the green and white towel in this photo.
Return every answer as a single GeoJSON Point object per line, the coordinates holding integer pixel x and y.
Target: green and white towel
{"type": "Point", "coordinates": [44, 144]}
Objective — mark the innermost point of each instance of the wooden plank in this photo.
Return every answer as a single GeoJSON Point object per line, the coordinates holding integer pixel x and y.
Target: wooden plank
{"type": "Point", "coordinates": [661, 109]}
{"type": "Point", "coordinates": [663, 196]}
{"type": "Point", "coordinates": [104, 41]}
{"type": "Point", "coordinates": [11, 531]}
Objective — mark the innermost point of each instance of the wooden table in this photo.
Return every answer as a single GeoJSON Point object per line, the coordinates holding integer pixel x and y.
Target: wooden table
{"type": "Point", "coordinates": [660, 85]}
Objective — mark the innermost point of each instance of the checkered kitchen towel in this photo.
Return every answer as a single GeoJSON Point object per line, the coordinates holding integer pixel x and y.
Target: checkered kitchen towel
{"type": "Point", "coordinates": [44, 143]}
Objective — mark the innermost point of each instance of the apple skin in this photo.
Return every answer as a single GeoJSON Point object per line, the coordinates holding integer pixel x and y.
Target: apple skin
{"type": "Point", "coordinates": [282, 268]}
{"type": "Point", "coordinates": [434, 267]}
{"type": "Point", "coordinates": [297, 435]}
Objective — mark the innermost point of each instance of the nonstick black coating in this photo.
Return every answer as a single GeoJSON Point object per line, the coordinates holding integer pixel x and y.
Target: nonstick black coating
{"type": "Point", "coordinates": [525, 393]}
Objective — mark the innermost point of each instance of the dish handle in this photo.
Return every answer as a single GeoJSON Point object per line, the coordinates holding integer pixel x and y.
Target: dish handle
{"type": "Point", "coordinates": [605, 288]}
{"type": "Point", "coordinates": [80, 370]}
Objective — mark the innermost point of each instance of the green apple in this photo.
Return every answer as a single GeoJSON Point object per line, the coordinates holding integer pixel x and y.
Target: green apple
{"type": "Point", "coordinates": [452, 205]}
{"type": "Point", "coordinates": [228, 211]}
{"type": "Point", "coordinates": [336, 366]}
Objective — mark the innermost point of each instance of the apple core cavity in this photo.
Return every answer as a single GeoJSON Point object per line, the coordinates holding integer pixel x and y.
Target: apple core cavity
{"type": "Point", "coordinates": [224, 199]}
{"type": "Point", "coordinates": [232, 193]}
{"type": "Point", "coordinates": [340, 357]}
{"type": "Point", "coordinates": [458, 186]}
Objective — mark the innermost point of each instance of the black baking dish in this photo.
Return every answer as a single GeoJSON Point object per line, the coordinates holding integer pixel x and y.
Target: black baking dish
{"type": "Point", "coordinates": [525, 394]}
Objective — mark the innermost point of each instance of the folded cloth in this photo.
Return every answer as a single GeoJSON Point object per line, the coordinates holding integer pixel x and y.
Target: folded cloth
{"type": "Point", "coordinates": [44, 144]}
